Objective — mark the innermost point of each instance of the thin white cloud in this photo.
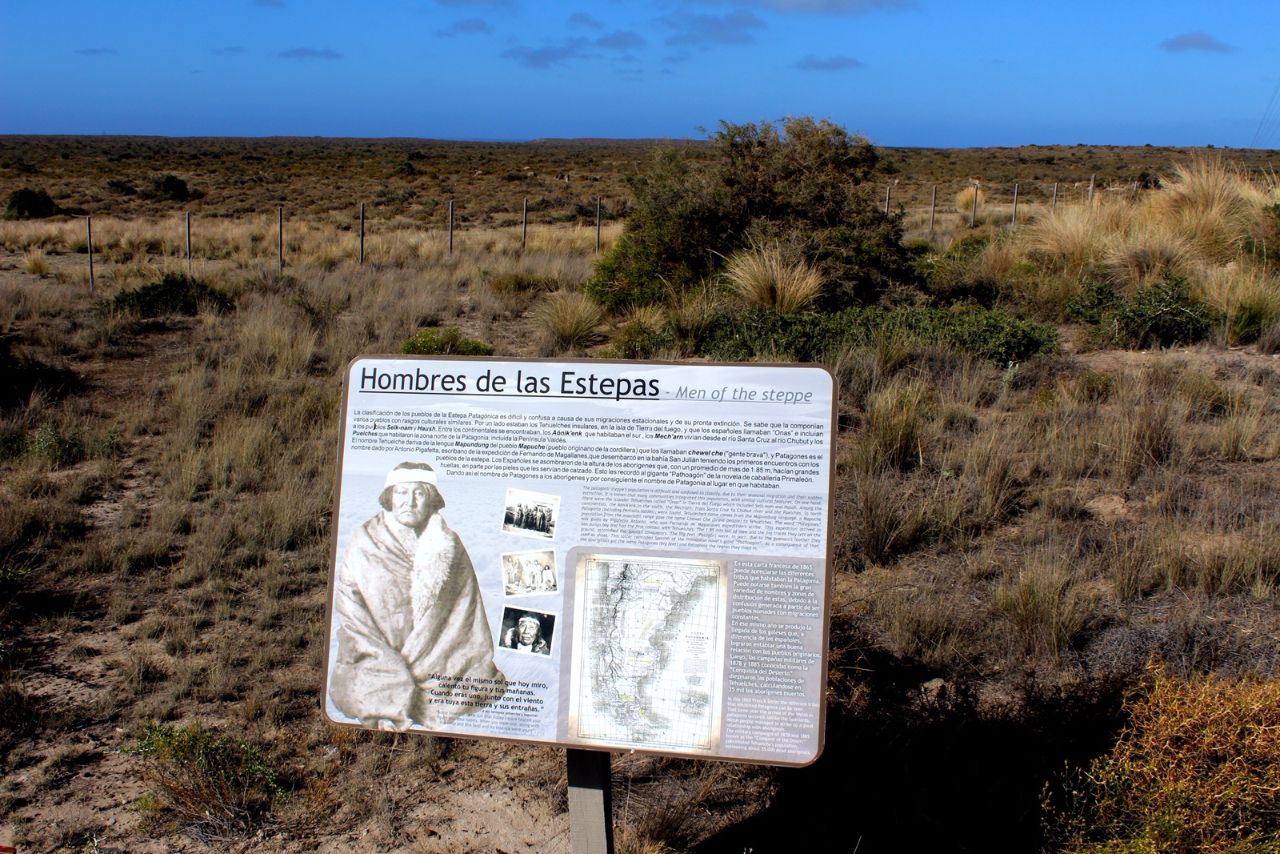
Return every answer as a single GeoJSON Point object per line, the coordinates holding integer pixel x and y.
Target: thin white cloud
{"type": "Point", "coordinates": [1196, 40]}
{"type": "Point", "coordinates": [229, 50]}
{"type": "Point", "coordinates": [466, 27]}
{"type": "Point", "coordinates": [549, 56]}
{"type": "Point", "coordinates": [693, 29]}
{"type": "Point", "coordinates": [621, 40]}
{"type": "Point", "coordinates": [832, 7]}
{"type": "Point", "coordinates": [585, 21]}
{"type": "Point", "coordinates": [97, 51]}
{"type": "Point", "coordinates": [829, 63]}
{"type": "Point", "coordinates": [308, 54]}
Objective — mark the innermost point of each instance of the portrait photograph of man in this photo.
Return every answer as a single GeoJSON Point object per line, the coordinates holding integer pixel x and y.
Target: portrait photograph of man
{"type": "Point", "coordinates": [527, 631]}
{"type": "Point", "coordinates": [409, 615]}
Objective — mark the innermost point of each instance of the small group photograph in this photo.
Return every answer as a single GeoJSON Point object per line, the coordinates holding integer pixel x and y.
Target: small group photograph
{"type": "Point", "coordinates": [527, 631]}
{"type": "Point", "coordinates": [531, 514]}
{"type": "Point", "coordinates": [529, 572]}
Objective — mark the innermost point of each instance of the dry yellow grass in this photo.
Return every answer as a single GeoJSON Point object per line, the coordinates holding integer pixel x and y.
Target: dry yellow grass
{"type": "Point", "coordinates": [568, 321]}
{"type": "Point", "coordinates": [767, 277]}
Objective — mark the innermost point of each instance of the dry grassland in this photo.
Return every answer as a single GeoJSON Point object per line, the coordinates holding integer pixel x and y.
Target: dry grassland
{"type": "Point", "coordinates": [1013, 543]}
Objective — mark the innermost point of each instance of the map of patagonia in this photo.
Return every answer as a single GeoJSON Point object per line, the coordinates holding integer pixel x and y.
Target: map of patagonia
{"type": "Point", "coordinates": [650, 630]}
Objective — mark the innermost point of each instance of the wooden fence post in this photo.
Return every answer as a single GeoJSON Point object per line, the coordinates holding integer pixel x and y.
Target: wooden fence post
{"type": "Point", "coordinates": [451, 226]}
{"type": "Point", "coordinates": [188, 244]}
{"type": "Point", "coordinates": [362, 234]}
{"type": "Point", "coordinates": [280, 239]}
{"type": "Point", "coordinates": [933, 208]}
{"type": "Point", "coordinates": [1014, 222]}
{"type": "Point", "coordinates": [1053, 206]}
{"type": "Point", "coordinates": [973, 212]}
{"type": "Point", "coordinates": [524, 224]}
{"type": "Point", "coordinates": [88, 239]}
{"type": "Point", "coordinates": [1090, 198]}
{"type": "Point", "coordinates": [597, 225]}
{"type": "Point", "coordinates": [888, 188]}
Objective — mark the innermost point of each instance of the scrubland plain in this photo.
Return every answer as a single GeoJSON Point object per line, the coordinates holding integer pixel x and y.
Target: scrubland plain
{"type": "Point", "coordinates": [1057, 519]}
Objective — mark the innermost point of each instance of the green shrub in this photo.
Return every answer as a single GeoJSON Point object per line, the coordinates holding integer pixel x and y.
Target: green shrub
{"type": "Point", "coordinates": [1159, 315]}
{"type": "Point", "coordinates": [1093, 304]}
{"type": "Point", "coordinates": [26, 203]}
{"type": "Point", "coordinates": [173, 294]}
{"type": "Point", "coordinates": [208, 778]}
{"type": "Point", "coordinates": [56, 447]}
{"type": "Point", "coordinates": [987, 333]}
{"type": "Point", "coordinates": [448, 341]}
{"type": "Point", "coordinates": [799, 183]}
{"type": "Point", "coordinates": [1162, 314]}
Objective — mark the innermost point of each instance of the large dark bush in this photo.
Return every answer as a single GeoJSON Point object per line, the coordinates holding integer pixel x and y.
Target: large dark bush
{"type": "Point", "coordinates": [169, 188]}
{"type": "Point", "coordinates": [799, 182]}
{"type": "Point", "coordinates": [26, 203]}
{"type": "Point", "coordinates": [173, 294]}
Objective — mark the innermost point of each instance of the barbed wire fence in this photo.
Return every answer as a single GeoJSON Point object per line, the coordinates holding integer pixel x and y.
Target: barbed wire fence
{"type": "Point", "coordinates": [975, 193]}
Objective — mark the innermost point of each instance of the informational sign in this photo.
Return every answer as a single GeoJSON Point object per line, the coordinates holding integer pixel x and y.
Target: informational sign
{"type": "Point", "coordinates": [609, 555]}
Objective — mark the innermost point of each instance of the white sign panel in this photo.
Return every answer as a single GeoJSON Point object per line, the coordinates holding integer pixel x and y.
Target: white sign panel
{"type": "Point", "coordinates": [611, 555]}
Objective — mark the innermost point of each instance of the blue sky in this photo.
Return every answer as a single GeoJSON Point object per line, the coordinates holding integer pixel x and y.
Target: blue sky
{"type": "Point", "coordinates": [903, 73]}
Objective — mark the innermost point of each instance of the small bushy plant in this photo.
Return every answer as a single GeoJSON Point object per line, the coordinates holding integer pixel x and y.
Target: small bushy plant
{"type": "Point", "coordinates": [448, 341]}
{"type": "Point", "coordinates": [206, 777]}
{"type": "Point", "coordinates": [173, 294]}
{"type": "Point", "coordinates": [1163, 314]}
{"type": "Point", "coordinates": [1159, 315]}
{"type": "Point", "coordinates": [1196, 769]}
{"type": "Point", "coordinates": [987, 333]}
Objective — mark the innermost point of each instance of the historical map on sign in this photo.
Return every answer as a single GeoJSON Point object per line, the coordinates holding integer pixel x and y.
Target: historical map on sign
{"type": "Point", "coordinates": [649, 630]}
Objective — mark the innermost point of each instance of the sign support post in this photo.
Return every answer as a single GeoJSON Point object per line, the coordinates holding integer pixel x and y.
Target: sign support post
{"type": "Point", "coordinates": [590, 802]}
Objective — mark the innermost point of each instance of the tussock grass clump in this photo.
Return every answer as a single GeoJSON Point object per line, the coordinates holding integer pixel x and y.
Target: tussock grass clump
{"type": "Point", "coordinates": [35, 262]}
{"type": "Point", "coordinates": [1143, 255]}
{"type": "Point", "coordinates": [764, 277]}
{"type": "Point", "coordinates": [895, 432]}
{"type": "Point", "coordinates": [1214, 205]}
{"type": "Point", "coordinates": [881, 518]}
{"type": "Point", "coordinates": [568, 321]}
{"type": "Point", "coordinates": [448, 341]}
{"type": "Point", "coordinates": [1197, 768]}
{"type": "Point", "coordinates": [173, 294]}
{"type": "Point", "coordinates": [1245, 298]}
{"type": "Point", "coordinates": [521, 282]}
{"type": "Point", "coordinates": [965, 198]}
{"type": "Point", "coordinates": [1045, 606]}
